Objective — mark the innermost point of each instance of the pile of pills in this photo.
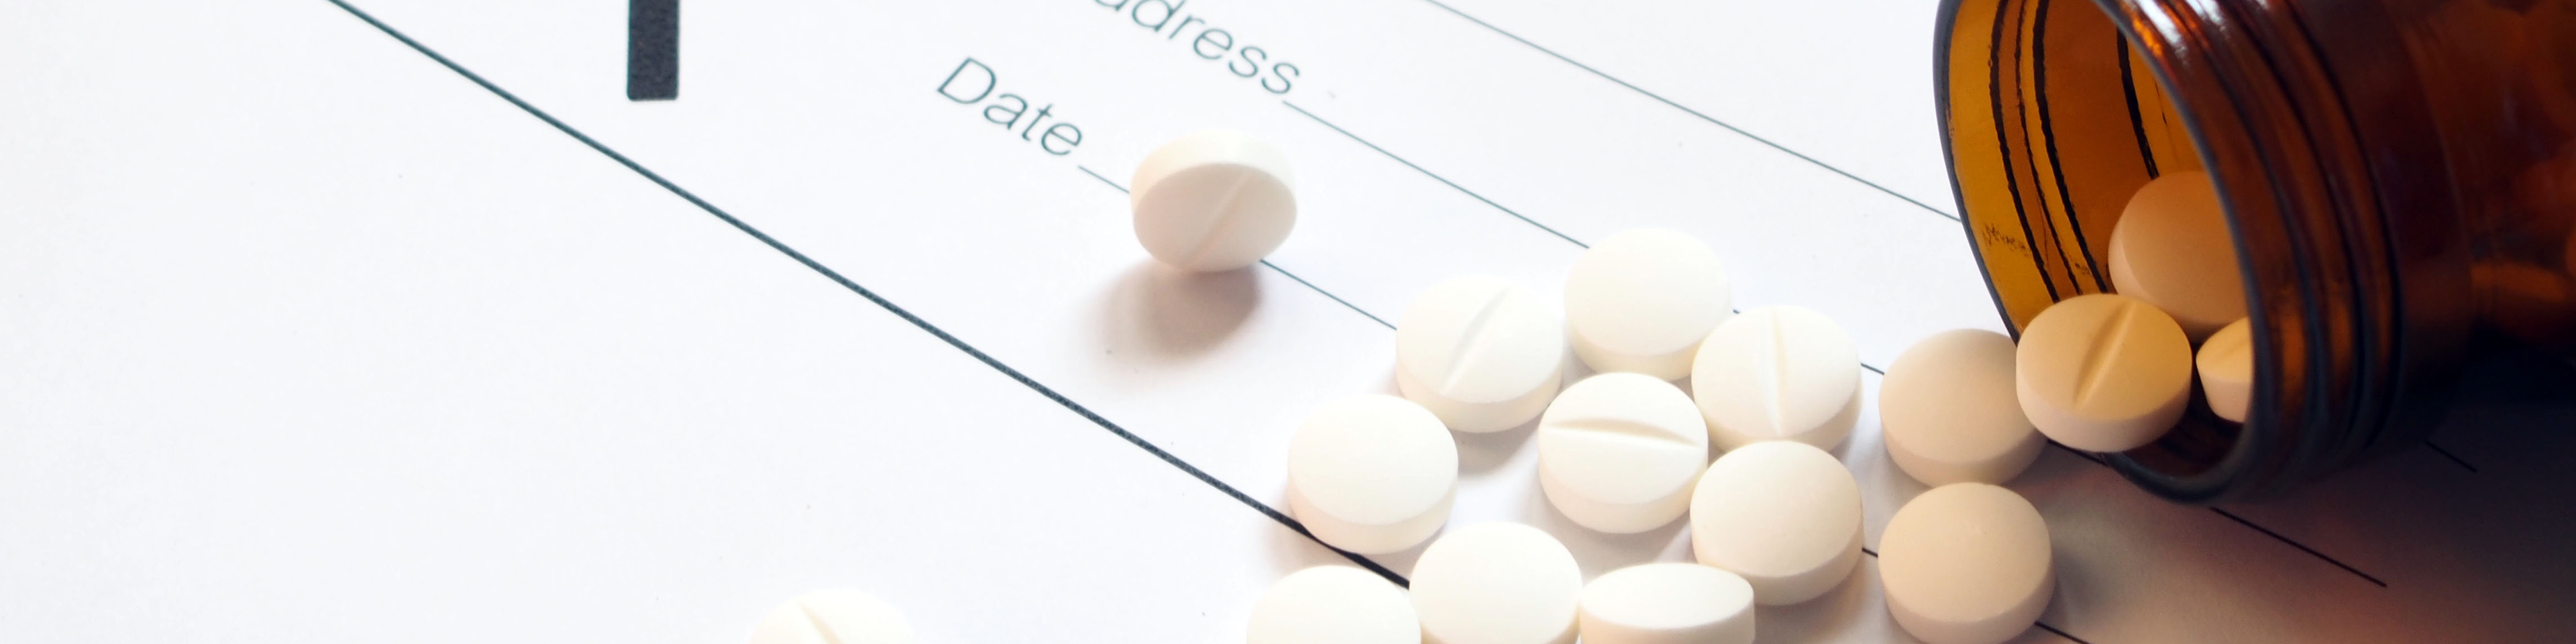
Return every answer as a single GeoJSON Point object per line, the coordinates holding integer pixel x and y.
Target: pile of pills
{"type": "Point", "coordinates": [1774, 520]}
{"type": "Point", "coordinates": [2172, 248]}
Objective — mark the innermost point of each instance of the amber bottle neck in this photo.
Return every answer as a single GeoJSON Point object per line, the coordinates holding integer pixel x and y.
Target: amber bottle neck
{"type": "Point", "coordinates": [2383, 163]}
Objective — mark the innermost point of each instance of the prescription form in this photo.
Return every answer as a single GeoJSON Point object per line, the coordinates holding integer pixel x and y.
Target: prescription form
{"type": "Point", "coordinates": [397, 321]}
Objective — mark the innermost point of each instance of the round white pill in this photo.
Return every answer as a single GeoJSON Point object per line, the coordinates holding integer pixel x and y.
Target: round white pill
{"type": "Point", "coordinates": [1482, 354]}
{"type": "Point", "coordinates": [1668, 603]}
{"type": "Point", "coordinates": [1496, 583]}
{"type": "Point", "coordinates": [1212, 200]}
{"type": "Point", "coordinates": [1371, 474]}
{"type": "Point", "coordinates": [1778, 372]}
{"type": "Point", "coordinates": [1642, 300]}
{"type": "Point", "coordinates": [1333, 605]}
{"type": "Point", "coordinates": [2172, 249]}
{"type": "Point", "coordinates": [2103, 372]}
{"type": "Point", "coordinates": [833, 617]}
{"type": "Point", "coordinates": [1966, 563]}
{"type": "Point", "coordinates": [1618, 452]}
{"type": "Point", "coordinates": [1784, 515]}
{"type": "Point", "coordinates": [1950, 413]}
{"type": "Point", "coordinates": [2226, 364]}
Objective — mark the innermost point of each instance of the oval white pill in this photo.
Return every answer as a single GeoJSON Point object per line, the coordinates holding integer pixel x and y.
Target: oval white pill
{"type": "Point", "coordinates": [833, 617]}
{"type": "Point", "coordinates": [2103, 372]}
{"type": "Point", "coordinates": [1778, 372]}
{"type": "Point", "coordinates": [1496, 583]}
{"type": "Point", "coordinates": [1212, 200]}
{"type": "Point", "coordinates": [2226, 363]}
{"type": "Point", "coordinates": [2171, 248]}
{"type": "Point", "coordinates": [1333, 605]}
{"type": "Point", "coordinates": [1482, 354]}
{"type": "Point", "coordinates": [1784, 515]}
{"type": "Point", "coordinates": [1618, 452]}
{"type": "Point", "coordinates": [1642, 300]}
{"type": "Point", "coordinates": [1668, 603]}
{"type": "Point", "coordinates": [1950, 413]}
{"type": "Point", "coordinates": [1966, 563]}
{"type": "Point", "coordinates": [1371, 474]}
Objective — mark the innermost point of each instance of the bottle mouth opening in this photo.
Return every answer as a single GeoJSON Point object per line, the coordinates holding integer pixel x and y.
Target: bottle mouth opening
{"type": "Point", "coordinates": [2056, 113]}
{"type": "Point", "coordinates": [2378, 227]}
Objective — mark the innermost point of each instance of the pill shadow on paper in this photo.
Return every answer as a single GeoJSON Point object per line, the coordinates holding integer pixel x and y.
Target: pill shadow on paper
{"type": "Point", "coordinates": [1160, 313]}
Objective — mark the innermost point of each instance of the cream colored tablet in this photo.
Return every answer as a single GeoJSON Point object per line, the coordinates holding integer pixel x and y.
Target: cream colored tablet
{"type": "Point", "coordinates": [1668, 603]}
{"type": "Point", "coordinates": [1496, 583]}
{"type": "Point", "coordinates": [1618, 452]}
{"type": "Point", "coordinates": [2172, 249]}
{"type": "Point", "coordinates": [1784, 515]}
{"type": "Point", "coordinates": [1212, 201]}
{"type": "Point", "coordinates": [833, 617]}
{"type": "Point", "coordinates": [2103, 373]}
{"type": "Point", "coordinates": [1481, 353]}
{"type": "Point", "coordinates": [1778, 372]}
{"type": "Point", "coordinates": [2226, 364]}
{"type": "Point", "coordinates": [1950, 413]}
{"type": "Point", "coordinates": [1333, 605]}
{"type": "Point", "coordinates": [1966, 563]}
{"type": "Point", "coordinates": [1371, 474]}
{"type": "Point", "coordinates": [1642, 300]}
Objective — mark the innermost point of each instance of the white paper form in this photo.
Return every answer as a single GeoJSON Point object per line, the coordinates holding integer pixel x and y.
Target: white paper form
{"type": "Point", "coordinates": [308, 341]}
{"type": "Point", "coordinates": [1430, 140]}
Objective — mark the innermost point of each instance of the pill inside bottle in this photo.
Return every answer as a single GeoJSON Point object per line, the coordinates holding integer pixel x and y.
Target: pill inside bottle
{"type": "Point", "coordinates": [2226, 365]}
{"type": "Point", "coordinates": [2172, 249]}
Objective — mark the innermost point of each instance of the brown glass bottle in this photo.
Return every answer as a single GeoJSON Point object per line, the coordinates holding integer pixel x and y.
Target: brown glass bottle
{"type": "Point", "coordinates": [2400, 176]}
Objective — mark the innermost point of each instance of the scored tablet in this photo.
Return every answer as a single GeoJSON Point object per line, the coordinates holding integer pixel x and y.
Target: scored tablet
{"type": "Point", "coordinates": [1778, 372]}
{"type": "Point", "coordinates": [2103, 372]}
{"type": "Point", "coordinates": [1618, 452]}
{"type": "Point", "coordinates": [1483, 354]}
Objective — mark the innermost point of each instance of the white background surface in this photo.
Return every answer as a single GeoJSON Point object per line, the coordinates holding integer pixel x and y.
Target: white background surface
{"type": "Point", "coordinates": [304, 337]}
